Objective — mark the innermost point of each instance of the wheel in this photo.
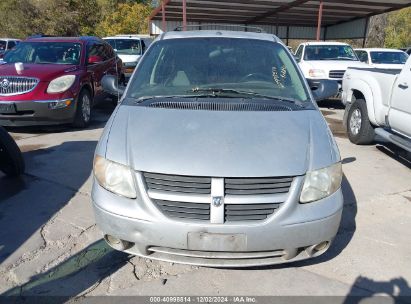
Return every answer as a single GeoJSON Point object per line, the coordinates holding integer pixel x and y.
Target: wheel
{"type": "Point", "coordinates": [359, 129]}
{"type": "Point", "coordinates": [11, 160]}
{"type": "Point", "coordinates": [83, 111]}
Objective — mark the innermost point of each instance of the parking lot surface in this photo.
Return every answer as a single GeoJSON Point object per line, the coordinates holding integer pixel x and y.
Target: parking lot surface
{"type": "Point", "coordinates": [50, 245]}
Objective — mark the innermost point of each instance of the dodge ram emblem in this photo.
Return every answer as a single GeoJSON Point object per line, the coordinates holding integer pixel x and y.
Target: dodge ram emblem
{"type": "Point", "coordinates": [5, 83]}
{"type": "Point", "coordinates": [217, 201]}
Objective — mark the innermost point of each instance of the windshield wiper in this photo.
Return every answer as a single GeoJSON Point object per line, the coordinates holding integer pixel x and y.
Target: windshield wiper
{"type": "Point", "coordinates": [215, 92]}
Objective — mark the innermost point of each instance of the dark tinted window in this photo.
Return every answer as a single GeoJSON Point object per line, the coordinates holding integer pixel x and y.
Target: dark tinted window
{"type": "Point", "coordinates": [11, 45]}
{"type": "Point", "coordinates": [3, 45]}
{"type": "Point", "coordinates": [389, 57]}
{"type": "Point", "coordinates": [362, 55]}
{"type": "Point", "coordinates": [329, 52]}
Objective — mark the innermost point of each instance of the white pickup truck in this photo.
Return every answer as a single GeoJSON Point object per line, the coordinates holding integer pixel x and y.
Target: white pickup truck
{"type": "Point", "coordinates": [378, 102]}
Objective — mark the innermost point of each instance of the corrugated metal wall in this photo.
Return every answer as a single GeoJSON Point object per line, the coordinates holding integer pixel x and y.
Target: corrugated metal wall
{"type": "Point", "coordinates": [348, 30]}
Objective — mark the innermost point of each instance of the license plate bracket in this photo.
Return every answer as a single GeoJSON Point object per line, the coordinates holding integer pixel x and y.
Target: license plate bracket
{"type": "Point", "coordinates": [205, 241]}
{"type": "Point", "coordinates": [7, 108]}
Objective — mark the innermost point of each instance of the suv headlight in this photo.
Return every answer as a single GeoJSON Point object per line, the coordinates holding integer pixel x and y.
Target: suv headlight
{"type": "Point", "coordinates": [321, 183]}
{"type": "Point", "coordinates": [114, 177]}
{"type": "Point", "coordinates": [316, 73]}
{"type": "Point", "coordinates": [61, 84]}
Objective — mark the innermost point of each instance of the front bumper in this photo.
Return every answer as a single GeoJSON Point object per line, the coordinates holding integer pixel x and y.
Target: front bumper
{"type": "Point", "coordinates": [289, 235]}
{"type": "Point", "coordinates": [29, 113]}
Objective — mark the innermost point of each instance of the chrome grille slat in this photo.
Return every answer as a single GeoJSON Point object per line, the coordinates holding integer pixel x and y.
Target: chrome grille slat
{"type": "Point", "coordinates": [17, 85]}
{"type": "Point", "coordinates": [260, 180]}
{"type": "Point", "coordinates": [183, 205]}
{"type": "Point", "coordinates": [256, 191]}
{"type": "Point", "coordinates": [180, 189]}
{"type": "Point", "coordinates": [257, 186]}
{"type": "Point", "coordinates": [337, 74]}
{"type": "Point", "coordinates": [178, 178]}
{"type": "Point", "coordinates": [252, 206]}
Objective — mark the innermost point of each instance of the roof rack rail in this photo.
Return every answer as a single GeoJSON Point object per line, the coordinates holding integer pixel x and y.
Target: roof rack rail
{"type": "Point", "coordinates": [215, 26]}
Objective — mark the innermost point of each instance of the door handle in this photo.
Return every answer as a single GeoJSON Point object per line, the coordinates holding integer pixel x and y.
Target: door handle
{"type": "Point", "coordinates": [403, 85]}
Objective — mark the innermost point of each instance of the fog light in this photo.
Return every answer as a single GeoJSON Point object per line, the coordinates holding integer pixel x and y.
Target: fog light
{"type": "Point", "coordinates": [117, 243]}
{"type": "Point", "coordinates": [60, 104]}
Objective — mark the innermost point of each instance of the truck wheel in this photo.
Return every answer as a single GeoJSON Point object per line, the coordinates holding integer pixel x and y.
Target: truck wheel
{"type": "Point", "coordinates": [83, 111]}
{"type": "Point", "coordinates": [11, 160]}
{"type": "Point", "coordinates": [359, 129]}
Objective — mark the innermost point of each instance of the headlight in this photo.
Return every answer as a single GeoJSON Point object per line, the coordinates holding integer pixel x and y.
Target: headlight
{"type": "Point", "coordinates": [114, 177]}
{"type": "Point", "coordinates": [321, 183]}
{"type": "Point", "coordinates": [61, 84]}
{"type": "Point", "coordinates": [315, 73]}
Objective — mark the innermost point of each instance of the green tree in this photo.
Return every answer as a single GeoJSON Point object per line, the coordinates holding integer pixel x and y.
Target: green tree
{"type": "Point", "coordinates": [398, 31]}
{"type": "Point", "coordinates": [128, 18]}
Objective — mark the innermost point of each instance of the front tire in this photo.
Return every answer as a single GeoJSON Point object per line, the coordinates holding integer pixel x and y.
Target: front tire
{"type": "Point", "coordinates": [11, 160]}
{"type": "Point", "coordinates": [83, 111]}
{"type": "Point", "coordinates": [359, 128]}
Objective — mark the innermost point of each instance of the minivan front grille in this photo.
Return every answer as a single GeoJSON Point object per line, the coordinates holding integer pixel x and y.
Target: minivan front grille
{"type": "Point", "coordinates": [178, 183]}
{"type": "Point", "coordinates": [189, 197]}
{"type": "Point", "coordinates": [256, 186]}
{"type": "Point", "coordinates": [14, 85]}
{"type": "Point", "coordinates": [337, 74]}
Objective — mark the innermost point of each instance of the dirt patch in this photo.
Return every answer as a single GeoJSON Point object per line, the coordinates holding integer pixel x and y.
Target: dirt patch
{"type": "Point", "coordinates": [327, 113]}
{"type": "Point", "coordinates": [337, 127]}
{"type": "Point", "coordinates": [28, 148]}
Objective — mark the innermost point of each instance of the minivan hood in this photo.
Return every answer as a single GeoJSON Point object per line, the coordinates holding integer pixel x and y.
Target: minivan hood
{"type": "Point", "coordinates": [45, 72]}
{"type": "Point", "coordinates": [219, 143]}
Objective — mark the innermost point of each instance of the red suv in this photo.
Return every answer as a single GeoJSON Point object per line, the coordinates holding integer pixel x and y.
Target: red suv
{"type": "Point", "coordinates": [49, 81]}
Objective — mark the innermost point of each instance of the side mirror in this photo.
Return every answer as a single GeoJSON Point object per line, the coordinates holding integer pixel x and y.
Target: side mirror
{"type": "Point", "coordinates": [94, 59]}
{"type": "Point", "coordinates": [323, 89]}
{"type": "Point", "coordinates": [110, 85]}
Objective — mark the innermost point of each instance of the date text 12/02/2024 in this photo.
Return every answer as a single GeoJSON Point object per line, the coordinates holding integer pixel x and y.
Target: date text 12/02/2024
{"type": "Point", "coordinates": [203, 299]}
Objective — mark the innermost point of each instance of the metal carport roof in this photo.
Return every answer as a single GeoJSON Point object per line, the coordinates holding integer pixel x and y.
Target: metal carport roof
{"type": "Point", "coordinates": [279, 13]}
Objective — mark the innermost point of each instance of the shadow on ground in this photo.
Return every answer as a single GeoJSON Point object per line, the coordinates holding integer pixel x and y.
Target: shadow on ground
{"type": "Point", "coordinates": [79, 274]}
{"type": "Point", "coordinates": [394, 291]}
{"type": "Point", "coordinates": [28, 203]}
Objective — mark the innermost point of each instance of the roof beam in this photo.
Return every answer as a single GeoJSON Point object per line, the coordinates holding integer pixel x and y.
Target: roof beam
{"type": "Point", "coordinates": [280, 9]}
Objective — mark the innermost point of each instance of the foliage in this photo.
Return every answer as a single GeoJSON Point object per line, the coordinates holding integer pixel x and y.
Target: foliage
{"type": "Point", "coordinates": [22, 18]}
{"type": "Point", "coordinates": [127, 19]}
{"type": "Point", "coordinates": [398, 31]}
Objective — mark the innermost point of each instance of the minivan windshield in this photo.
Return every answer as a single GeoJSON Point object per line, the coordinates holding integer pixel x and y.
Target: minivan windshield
{"type": "Point", "coordinates": [125, 46]}
{"type": "Point", "coordinates": [329, 52]}
{"type": "Point", "coordinates": [45, 53]}
{"type": "Point", "coordinates": [388, 57]}
{"type": "Point", "coordinates": [202, 66]}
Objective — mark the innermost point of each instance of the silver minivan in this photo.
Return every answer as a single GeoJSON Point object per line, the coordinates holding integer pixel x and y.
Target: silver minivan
{"type": "Point", "coordinates": [217, 155]}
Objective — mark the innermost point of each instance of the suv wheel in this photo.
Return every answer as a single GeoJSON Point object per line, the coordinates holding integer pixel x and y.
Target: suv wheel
{"type": "Point", "coordinates": [359, 129]}
{"type": "Point", "coordinates": [83, 111]}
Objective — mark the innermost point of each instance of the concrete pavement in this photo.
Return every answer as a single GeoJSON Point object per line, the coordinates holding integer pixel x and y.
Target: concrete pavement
{"type": "Point", "coordinates": [49, 244]}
